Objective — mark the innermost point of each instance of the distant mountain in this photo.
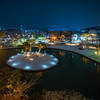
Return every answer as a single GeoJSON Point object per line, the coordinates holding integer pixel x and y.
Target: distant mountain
{"type": "Point", "coordinates": [95, 29]}
{"type": "Point", "coordinates": [92, 28]}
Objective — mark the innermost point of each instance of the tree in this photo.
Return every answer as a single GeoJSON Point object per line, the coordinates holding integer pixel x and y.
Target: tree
{"type": "Point", "coordinates": [63, 95]}
{"type": "Point", "coordinates": [3, 34]}
{"type": "Point", "coordinates": [26, 46]}
{"type": "Point", "coordinates": [85, 42]}
{"type": "Point", "coordinates": [97, 49]}
{"type": "Point", "coordinates": [14, 84]}
{"type": "Point", "coordinates": [62, 37]}
{"type": "Point", "coordinates": [31, 42]}
{"type": "Point", "coordinates": [40, 46]}
{"type": "Point", "coordinates": [98, 43]}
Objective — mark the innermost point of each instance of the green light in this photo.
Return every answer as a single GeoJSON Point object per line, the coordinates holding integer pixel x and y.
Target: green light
{"type": "Point", "coordinates": [22, 40]}
{"type": "Point", "coordinates": [41, 38]}
{"type": "Point", "coordinates": [22, 51]}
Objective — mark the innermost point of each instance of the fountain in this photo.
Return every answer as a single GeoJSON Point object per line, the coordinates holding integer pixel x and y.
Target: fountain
{"type": "Point", "coordinates": [30, 61]}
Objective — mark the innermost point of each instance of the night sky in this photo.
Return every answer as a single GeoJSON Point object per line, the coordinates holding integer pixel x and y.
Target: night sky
{"type": "Point", "coordinates": [65, 14]}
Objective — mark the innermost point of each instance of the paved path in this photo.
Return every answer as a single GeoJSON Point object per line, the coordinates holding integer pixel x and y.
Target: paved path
{"type": "Point", "coordinates": [88, 53]}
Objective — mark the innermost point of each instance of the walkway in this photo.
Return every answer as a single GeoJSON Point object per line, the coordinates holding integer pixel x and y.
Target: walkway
{"type": "Point", "coordinates": [87, 53]}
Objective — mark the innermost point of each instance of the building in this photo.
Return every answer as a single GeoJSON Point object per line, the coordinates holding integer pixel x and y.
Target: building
{"type": "Point", "coordinates": [91, 30]}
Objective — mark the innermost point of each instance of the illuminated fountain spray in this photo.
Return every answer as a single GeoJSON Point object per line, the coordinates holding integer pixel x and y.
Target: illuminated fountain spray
{"type": "Point", "coordinates": [32, 61]}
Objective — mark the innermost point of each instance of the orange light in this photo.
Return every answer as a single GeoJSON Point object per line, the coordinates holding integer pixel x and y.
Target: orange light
{"type": "Point", "coordinates": [92, 47]}
{"type": "Point", "coordinates": [72, 44]}
{"type": "Point", "coordinates": [53, 37]}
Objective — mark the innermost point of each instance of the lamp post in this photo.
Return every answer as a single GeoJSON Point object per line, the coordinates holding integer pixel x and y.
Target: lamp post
{"type": "Point", "coordinates": [98, 43]}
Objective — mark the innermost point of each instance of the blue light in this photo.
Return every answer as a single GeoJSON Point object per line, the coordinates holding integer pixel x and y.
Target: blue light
{"type": "Point", "coordinates": [44, 66]}
{"type": "Point", "coordinates": [55, 59]}
{"type": "Point", "coordinates": [53, 63]}
{"type": "Point", "coordinates": [18, 54]}
{"type": "Point", "coordinates": [35, 51]}
{"type": "Point", "coordinates": [45, 54]}
{"type": "Point", "coordinates": [9, 60]}
{"type": "Point", "coordinates": [12, 57]}
{"type": "Point", "coordinates": [27, 68]}
{"type": "Point", "coordinates": [15, 64]}
{"type": "Point", "coordinates": [51, 56]}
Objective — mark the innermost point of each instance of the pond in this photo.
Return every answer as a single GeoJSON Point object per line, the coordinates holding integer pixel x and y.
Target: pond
{"type": "Point", "coordinates": [72, 72]}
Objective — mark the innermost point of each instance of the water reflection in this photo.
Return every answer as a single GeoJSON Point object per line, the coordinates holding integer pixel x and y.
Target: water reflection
{"type": "Point", "coordinates": [97, 67]}
{"type": "Point", "coordinates": [85, 60]}
{"type": "Point", "coordinates": [62, 53]}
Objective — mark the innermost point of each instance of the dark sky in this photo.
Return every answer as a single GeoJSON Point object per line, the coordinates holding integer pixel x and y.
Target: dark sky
{"type": "Point", "coordinates": [66, 14]}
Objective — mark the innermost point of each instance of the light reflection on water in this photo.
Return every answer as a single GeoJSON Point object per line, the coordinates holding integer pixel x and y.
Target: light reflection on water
{"type": "Point", "coordinates": [85, 60]}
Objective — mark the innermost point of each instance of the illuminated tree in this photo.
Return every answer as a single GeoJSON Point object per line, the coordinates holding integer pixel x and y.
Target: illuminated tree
{"type": "Point", "coordinates": [14, 84]}
{"type": "Point", "coordinates": [54, 38]}
{"type": "Point", "coordinates": [62, 37]}
{"type": "Point", "coordinates": [31, 42]}
{"type": "Point", "coordinates": [27, 46]}
{"type": "Point", "coordinates": [14, 44]}
{"type": "Point", "coordinates": [98, 44]}
{"type": "Point", "coordinates": [3, 35]}
{"type": "Point", "coordinates": [85, 35]}
{"type": "Point", "coordinates": [97, 50]}
{"type": "Point", "coordinates": [40, 46]}
{"type": "Point", "coordinates": [85, 41]}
